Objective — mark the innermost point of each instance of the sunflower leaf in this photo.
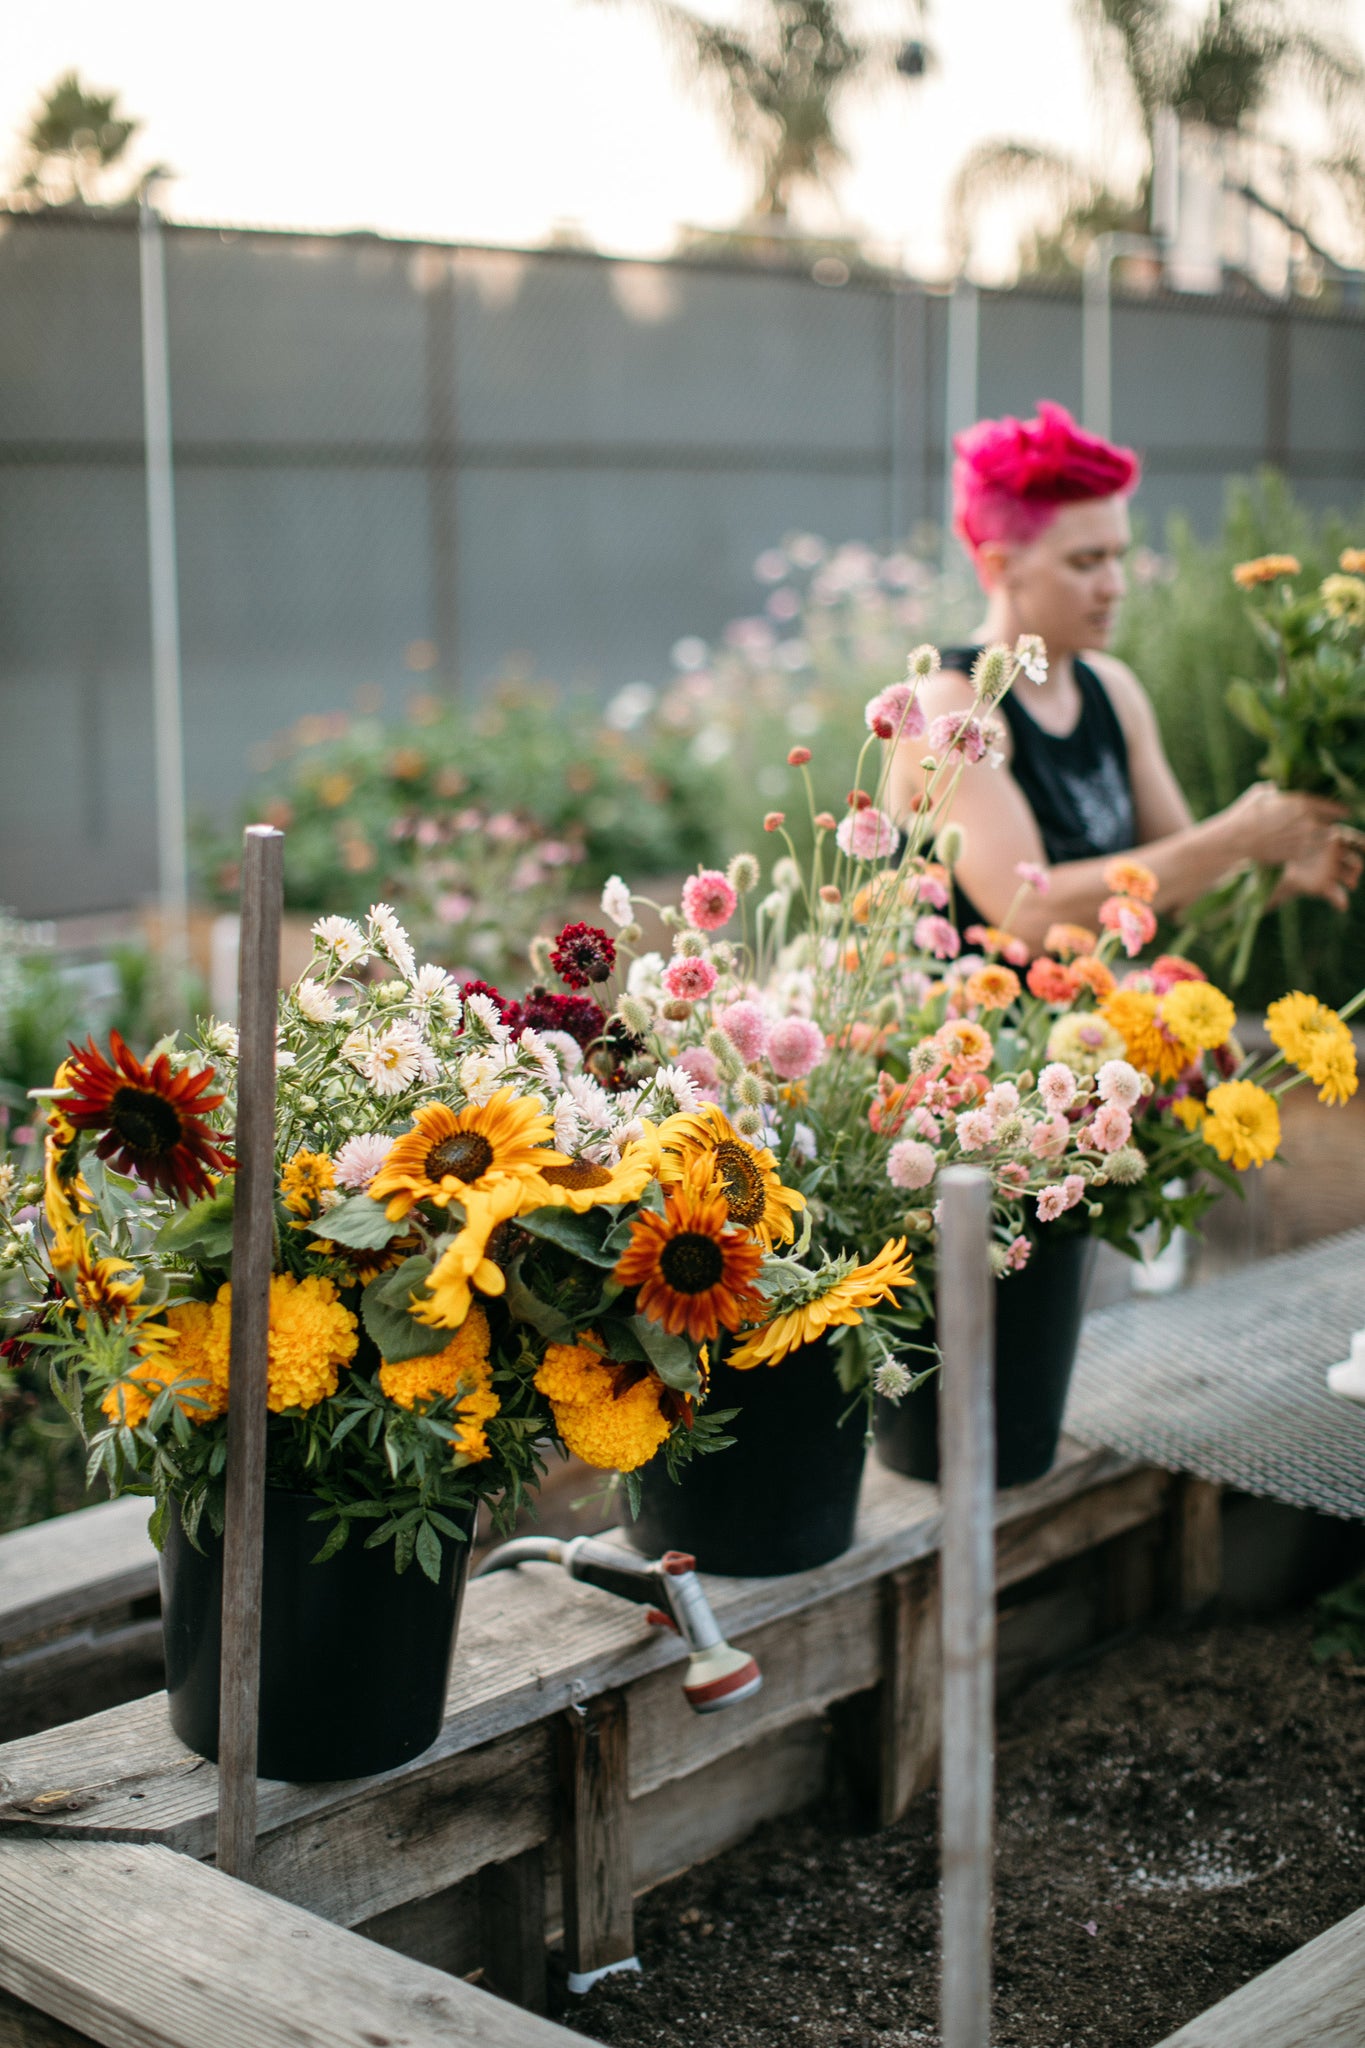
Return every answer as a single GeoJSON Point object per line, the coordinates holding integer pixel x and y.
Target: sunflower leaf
{"type": "Point", "coordinates": [581, 1235]}
{"type": "Point", "coordinates": [360, 1223]}
{"type": "Point", "coordinates": [525, 1307]}
{"type": "Point", "coordinates": [202, 1232]}
{"type": "Point", "coordinates": [398, 1334]}
{"type": "Point", "coordinates": [671, 1357]}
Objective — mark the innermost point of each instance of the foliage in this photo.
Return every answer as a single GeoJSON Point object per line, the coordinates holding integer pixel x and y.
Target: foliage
{"type": "Point", "coordinates": [1341, 1624]}
{"type": "Point", "coordinates": [48, 997]}
{"type": "Point", "coordinates": [72, 141]}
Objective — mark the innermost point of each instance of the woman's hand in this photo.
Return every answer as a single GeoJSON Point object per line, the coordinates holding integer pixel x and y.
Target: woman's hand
{"type": "Point", "coordinates": [1286, 828]}
{"type": "Point", "coordinates": [1331, 872]}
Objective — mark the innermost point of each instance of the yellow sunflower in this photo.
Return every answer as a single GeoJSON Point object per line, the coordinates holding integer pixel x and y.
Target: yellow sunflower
{"type": "Point", "coordinates": [463, 1369]}
{"type": "Point", "coordinates": [465, 1264]}
{"type": "Point", "coordinates": [66, 1193]}
{"type": "Point", "coordinates": [450, 1154]}
{"type": "Point", "coordinates": [612, 1420]}
{"type": "Point", "coordinates": [842, 1302]}
{"type": "Point", "coordinates": [102, 1287]}
{"type": "Point", "coordinates": [755, 1198]}
{"type": "Point", "coordinates": [1243, 1124]}
{"type": "Point", "coordinates": [1150, 1044]}
{"type": "Point", "coordinates": [1313, 1038]}
{"type": "Point", "coordinates": [306, 1176]}
{"type": "Point", "coordinates": [584, 1184]}
{"type": "Point", "coordinates": [693, 1274]}
{"type": "Point", "coordinates": [1198, 1014]}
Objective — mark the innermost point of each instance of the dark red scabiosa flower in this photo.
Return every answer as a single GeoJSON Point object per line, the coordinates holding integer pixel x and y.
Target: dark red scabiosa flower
{"type": "Point", "coordinates": [582, 954]}
{"type": "Point", "coordinates": [543, 1009]}
{"type": "Point", "coordinates": [486, 988]}
{"type": "Point", "coordinates": [152, 1119]}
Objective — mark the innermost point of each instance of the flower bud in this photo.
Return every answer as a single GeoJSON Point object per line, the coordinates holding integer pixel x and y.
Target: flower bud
{"type": "Point", "coordinates": [952, 843]}
{"type": "Point", "coordinates": [923, 661]}
{"type": "Point", "coordinates": [538, 953]}
{"type": "Point", "coordinates": [671, 916]}
{"type": "Point", "coordinates": [749, 1123]}
{"type": "Point", "coordinates": [749, 1089]}
{"type": "Point", "coordinates": [773, 821]}
{"type": "Point", "coordinates": [830, 893]}
{"type": "Point", "coordinates": [744, 873]}
{"type": "Point", "coordinates": [689, 945]}
{"type": "Point", "coordinates": [676, 1010]}
{"type": "Point", "coordinates": [858, 799]}
{"type": "Point", "coordinates": [798, 757]}
{"type": "Point", "coordinates": [724, 1052]}
{"type": "Point", "coordinates": [825, 821]}
{"type": "Point", "coordinates": [629, 934]}
{"type": "Point", "coordinates": [991, 673]}
{"type": "Point", "coordinates": [787, 875]}
{"type": "Point", "coordinates": [722, 955]}
{"type": "Point", "coordinates": [635, 1015]}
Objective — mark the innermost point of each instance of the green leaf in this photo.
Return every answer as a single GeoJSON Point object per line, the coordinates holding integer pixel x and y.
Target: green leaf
{"type": "Point", "coordinates": [359, 1223]}
{"type": "Point", "coordinates": [394, 1330]}
{"type": "Point", "coordinates": [429, 1552]}
{"type": "Point", "coordinates": [525, 1307]}
{"type": "Point", "coordinates": [1250, 709]}
{"type": "Point", "coordinates": [203, 1232]}
{"type": "Point", "coordinates": [581, 1235]}
{"type": "Point", "coordinates": [671, 1357]}
{"type": "Point", "coordinates": [336, 1537]}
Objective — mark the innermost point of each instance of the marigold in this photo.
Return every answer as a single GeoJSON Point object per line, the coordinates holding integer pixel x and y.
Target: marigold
{"type": "Point", "coordinates": [755, 1198]}
{"type": "Point", "coordinates": [312, 1334]}
{"type": "Point", "coordinates": [1148, 1043]}
{"type": "Point", "coordinates": [1198, 1013]}
{"type": "Point", "coordinates": [1127, 877]}
{"type": "Point", "coordinates": [1314, 1038]}
{"type": "Point", "coordinates": [992, 987]}
{"type": "Point", "coordinates": [1189, 1110]}
{"type": "Point", "coordinates": [180, 1360]}
{"type": "Point", "coordinates": [462, 1370]}
{"type": "Point", "coordinates": [842, 1302]}
{"type": "Point", "coordinates": [306, 1176]}
{"type": "Point", "coordinates": [1067, 939]}
{"type": "Point", "coordinates": [607, 1419]}
{"type": "Point", "coordinates": [1243, 1124]}
{"type": "Point", "coordinates": [1265, 569]}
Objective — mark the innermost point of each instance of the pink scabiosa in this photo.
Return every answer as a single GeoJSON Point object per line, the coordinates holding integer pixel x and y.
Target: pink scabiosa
{"type": "Point", "coordinates": [910, 1164]}
{"type": "Point", "coordinates": [956, 733]}
{"type": "Point", "coordinates": [935, 935]}
{"type": "Point", "coordinates": [1050, 1138]}
{"type": "Point", "coordinates": [1002, 1100]}
{"type": "Point", "coordinates": [1017, 1254]}
{"type": "Point", "coordinates": [975, 1129]}
{"type": "Point", "coordinates": [698, 1062]}
{"type": "Point", "coordinates": [867, 834]}
{"type": "Point", "coordinates": [1057, 1086]}
{"type": "Point", "coordinates": [582, 953]}
{"type": "Point", "coordinates": [928, 888]}
{"type": "Point", "coordinates": [687, 980]}
{"type": "Point", "coordinates": [894, 713]}
{"type": "Point", "coordinates": [745, 1025]}
{"type": "Point", "coordinates": [1110, 1128]}
{"type": "Point", "coordinates": [1033, 877]}
{"type": "Point", "coordinates": [796, 1047]}
{"type": "Point", "coordinates": [1051, 1203]}
{"type": "Point", "coordinates": [708, 900]}
{"type": "Point", "coordinates": [1118, 1082]}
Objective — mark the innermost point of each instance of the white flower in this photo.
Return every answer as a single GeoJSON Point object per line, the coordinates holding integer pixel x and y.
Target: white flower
{"type": "Point", "coordinates": [432, 988]}
{"type": "Point", "coordinates": [533, 1046]}
{"type": "Point", "coordinates": [616, 901]}
{"type": "Point", "coordinates": [592, 1099]}
{"type": "Point", "coordinates": [9, 1174]}
{"type": "Point", "coordinates": [645, 976]}
{"type": "Point", "coordinates": [316, 1003]}
{"type": "Point", "coordinates": [483, 1011]}
{"type": "Point", "coordinates": [342, 936]}
{"type": "Point", "coordinates": [222, 1039]}
{"type": "Point", "coordinates": [389, 1059]}
{"type": "Point", "coordinates": [803, 1143]}
{"type": "Point", "coordinates": [672, 1092]}
{"type": "Point", "coordinates": [1030, 651]}
{"type": "Point", "coordinates": [567, 1050]}
{"type": "Point", "coordinates": [388, 937]}
{"type": "Point", "coordinates": [356, 1163]}
{"type": "Point", "coordinates": [285, 1059]}
{"type": "Point", "coordinates": [568, 1124]}
{"type": "Point", "coordinates": [483, 1073]}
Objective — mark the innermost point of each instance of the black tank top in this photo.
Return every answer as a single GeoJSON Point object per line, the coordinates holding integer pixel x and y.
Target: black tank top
{"type": "Point", "coordinates": [1077, 783]}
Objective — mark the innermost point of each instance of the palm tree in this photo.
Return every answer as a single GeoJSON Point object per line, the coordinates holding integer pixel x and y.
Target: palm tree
{"type": "Point", "coordinates": [781, 84]}
{"type": "Point", "coordinates": [74, 139]}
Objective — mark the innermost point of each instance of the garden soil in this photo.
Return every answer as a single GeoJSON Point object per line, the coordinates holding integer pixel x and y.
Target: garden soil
{"type": "Point", "coordinates": [1173, 1818]}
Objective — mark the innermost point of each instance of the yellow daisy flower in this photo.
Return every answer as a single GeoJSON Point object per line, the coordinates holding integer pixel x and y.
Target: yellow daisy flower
{"type": "Point", "coordinates": [755, 1198]}
{"type": "Point", "coordinates": [1313, 1038]}
{"type": "Point", "coordinates": [843, 1302]}
{"type": "Point", "coordinates": [451, 1154]}
{"type": "Point", "coordinates": [1243, 1124]}
{"type": "Point", "coordinates": [1149, 1043]}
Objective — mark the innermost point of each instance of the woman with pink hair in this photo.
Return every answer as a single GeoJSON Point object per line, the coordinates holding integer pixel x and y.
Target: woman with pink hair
{"type": "Point", "coordinates": [1042, 508]}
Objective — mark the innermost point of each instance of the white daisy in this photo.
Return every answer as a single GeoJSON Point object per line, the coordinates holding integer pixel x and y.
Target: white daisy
{"type": "Point", "coordinates": [483, 1073]}
{"type": "Point", "coordinates": [592, 1100]}
{"type": "Point", "coordinates": [566, 1050]}
{"type": "Point", "coordinates": [645, 975]}
{"type": "Point", "coordinates": [222, 1039]}
{"type": "Point", "coordinates": [390, 1059]}
{"type": "Point", "coordinates": [568, 1124]}
{"type": "Point", "coordinates": [342, 936]}
{"type": "Point", "coordinates": [316, 1003]}
{"type": "Point", "coordinates": [356, 1163]}
{"type": "Point", "coordinates": [388, 937]}
{"type": "Point", "coordinates": [671, 1092]}
{"type": "Point", "coordinates": [433, 988]}
{"type": "Point", "coordinates": [484, 1012]}
{"type": "Point", "coordinates": [532, 1045]}
{"type": "Point", "coordinates": [616, 901]}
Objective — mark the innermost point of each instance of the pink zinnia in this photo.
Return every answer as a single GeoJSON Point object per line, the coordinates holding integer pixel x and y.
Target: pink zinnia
{"type": "Point", "coordinates": [955, 733]}
{"type": "Point", "coordinates": [935, 935]}
{"type": "Point", "coordinates": [1057, 1086]}
{"type": "Point", "coordinates": [867, 834]}
{"type": "Point", "coordinates": [1049, 1139]}
{"type": "Point", "coordinates": [1168, 968]}
{"type": "Point", "coordinates": [745, 1025]}
{"type": "Point", "coordinates": [1110, 1127]}
{"type": "Point", "coordinates": [708, 900]}
{"type": "Point", "coordinates": [796, 1047]}
{"type": "Point", "coordinates": [909, 1164]}
{"type": "Point", "coordinates": [975, 1129]}
{"type": "Point", "coordinates": [689, 979]}
{"type": "Point", "coordinates": [894, 713]}
{"type": "Point", "coordinates": [1118, 1082]}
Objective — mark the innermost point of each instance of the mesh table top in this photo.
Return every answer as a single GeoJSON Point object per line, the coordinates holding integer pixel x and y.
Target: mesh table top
{"type": "Point", "coordinates": [1227, 1381]}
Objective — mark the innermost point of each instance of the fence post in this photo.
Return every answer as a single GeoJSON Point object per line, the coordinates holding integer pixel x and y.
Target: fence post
{"type": "Point", "coordinates": [966, 1321]}
{"type": "Point", "coordinates": [961, 392]}
{"type": "Point", "coordinates": [248, 1361]}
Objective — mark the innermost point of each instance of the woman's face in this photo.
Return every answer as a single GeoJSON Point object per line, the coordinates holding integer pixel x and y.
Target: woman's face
{"type": "Point", "coordinates": [1068, 583]}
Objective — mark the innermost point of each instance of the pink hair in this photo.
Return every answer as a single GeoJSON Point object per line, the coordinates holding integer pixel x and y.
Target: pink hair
{"type": "Point", "coordinates": [1011, 477]}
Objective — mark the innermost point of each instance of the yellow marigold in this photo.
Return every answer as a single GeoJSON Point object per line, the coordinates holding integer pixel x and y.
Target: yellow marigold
{"type": "Point", "coordinates": [992, 987]}
{"type": "Point", "coordinates": [1189, 1110]}
{"type": "Point", "coordinates": [1149, 1044]}
{"type": "Point", "coordinates": [616, 1431]}
{"type": "Point", "coordinates": [1083, 1041]}
{"type": "Point", "coordinates": [1352, 560]}
{"type": "Point", "coordinates": [306, 1176]}
{"type": "Point", "coordinates": [1265, 569]}
{"type": "Point", "coordinates": [1343, 597]}
{"type": "Point", "coordinates": [843, 1302]}
{"type": "Point", "coordinates": [1198, 1013]}
{"type": "Point", "coordinates": [1127, 877]}
{"type": "Point", "coordinates": [1066, 939]}
{"type": "Point", "coordinates": [180, 1358]}
{"type": "Point", "coordinates": [1315, 1040]}
{"type": "Point", "coordinates": [462, 1369]}
{"type": "Point", "coordinates": [1243, 1124]}
{"type": "Point", "coordinates": [312, 1334]}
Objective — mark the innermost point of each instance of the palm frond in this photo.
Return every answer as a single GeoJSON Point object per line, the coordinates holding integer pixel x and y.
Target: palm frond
{"type": "Point", "coordinates": [992, 169]}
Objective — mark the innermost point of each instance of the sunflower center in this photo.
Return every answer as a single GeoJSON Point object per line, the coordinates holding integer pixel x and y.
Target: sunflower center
{"type": "Point", "coordinates": [145, 1121]}
{"type": "Point", "coordinates": [464, 1156]}
{"type": "Point", "coordinates": [691, 1263]}
{"type": "Point", "coordinates": [579, 1173]}
{"type": "Point", "coordinates": [742, 1178]}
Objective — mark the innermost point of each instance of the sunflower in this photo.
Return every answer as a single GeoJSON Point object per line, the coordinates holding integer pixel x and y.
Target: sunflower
{"type": "Point", "coordinates": [693, 1274]}
{"type": "Point", "coordinates": [465, 1263]}
{"type": "Point", "coordinates": [306, 1176]}
{"type": "Point", "coordinates": [1197, 1013]}
{"type": "Point", "coordinates": [1315, 1040]}
{"type": "Point", "coordinates": [584, 1184]}
{"type": "Point", "coordinates": [1243, 1124]}
{"type": "Point", "coordinates": [66, 1193]}
{"type": "Point", "coordinates": [1150, 1044]}
{"type": "Point", "coordinates": [105, 1287]}
{"type": "Point", "coordinates": [611, 1417]}
{"type": "Point", "coordinates": [755, 1198]}
{"type": "Point", "coordinates": [450, 1154]}
{"type": "Point", "coordinates": [841, 1302]}
{"type": "Point", "coordinates": [461, 1372]}
{"type": "Point", "coordinates": [152, 1118]}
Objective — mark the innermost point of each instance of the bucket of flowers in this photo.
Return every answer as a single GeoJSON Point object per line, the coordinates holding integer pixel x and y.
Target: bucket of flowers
{"type": "Point", "coordinates": [488, 1248]}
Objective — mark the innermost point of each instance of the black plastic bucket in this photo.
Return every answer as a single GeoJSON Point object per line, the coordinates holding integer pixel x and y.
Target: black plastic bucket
{"type": "Point", "coordinates": [784, 1496]}
{"type": "Point", "coordinates": [1037, 1329]}
{"type": "Point", "coordinates": [355, 1657]}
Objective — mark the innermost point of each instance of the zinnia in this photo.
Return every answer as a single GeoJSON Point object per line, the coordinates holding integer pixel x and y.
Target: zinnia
{"type": "Point", "coordinates": [1243, 1124]}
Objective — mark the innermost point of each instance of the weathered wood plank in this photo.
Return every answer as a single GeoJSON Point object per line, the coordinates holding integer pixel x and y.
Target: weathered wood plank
{"type": "Point", "coordinates": [910, 1701]}
{"type": "Point", "coordinates": [1047, 1536]}
{"type": "Point", "coordinates": [23, 2026]}
{"type": "Point", "coordinates": [599, 1912]}
{"type": "Point", "coordinates": [1197, 1543]}
{"type": "Point", "coordinates": [1313, 1999]}
{"type": "Point", "coordinates": [174, 1952]}
{"type": "Point", "coordinates": [513, 1929]}
{"type": "Point", "coordinates": [74, 1567]}
{"type": "Point", "coordinates": [80, 1673]}
{"type": "Point", "coordinates": [444, 1929]}
{"type": "Point", "coordinates": [689, 1819]}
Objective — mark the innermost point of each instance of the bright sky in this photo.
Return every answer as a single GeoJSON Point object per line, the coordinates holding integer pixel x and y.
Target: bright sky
{"type": "Point", "coordinates": [494, 120]}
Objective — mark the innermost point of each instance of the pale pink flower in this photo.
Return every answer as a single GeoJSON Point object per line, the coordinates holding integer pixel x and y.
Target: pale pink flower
{"type": "Point", "coordinates": [929, 889]}
{"type": "Point", "coordinates": [1013, 1174]}
{"type": "Point", "coordinates": [1049, 1139]}
{"type": "Point", "coordinates": [925, 1123]}
{"type": "Point", "coordinates": [1057, 1086]}
{"type": "Point", "coordinates": [796, 1047]}
{"type": "Point", "coordinates": [745, 1025]}
{"type": "Point", "coordinates": [867, 834]}
{"type": "Point", "coordinates": [935, 935]}
{"type": "Point", "coordinates": [955, 733]}
{"type": "Point", "coordinates": [1111, 1126]}
{"type": "Point", "coordinates": [688, 980]}
{"type": "Point", "coordinates": [1118, 1082]}
{"type": "Point", "coordinates": [1073, 1187]}
{"type": "Point", "coordinates": [975, 1129]}
{"type": "Point", "coordinates": [894, 713]}
{"type": "Point", "coordinates": [910, 1164]}
{"type": "Point", "coordinates": [1017, 1254]}
{"type": "Point", "coordinates": [697, 1061]}
{"type": "Point", "coordinates": [453, 906]}
{"type": "Point", "coordinates": [356, 1163]}
{"type": "Point", "coordinates": [616, 903]}
{"type": "Point", "coordinates": [1003, 1099]}
{"type": "Point", "coordinates": [1052, 1203]}
{"type": "Point", "coordinates": [708, 900]}
{"type": "Point", "coordinates": [1032, 876]}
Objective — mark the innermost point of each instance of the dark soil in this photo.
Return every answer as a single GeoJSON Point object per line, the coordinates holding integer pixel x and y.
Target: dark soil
{"type": "Point", "coordinates": [1172, 1819]}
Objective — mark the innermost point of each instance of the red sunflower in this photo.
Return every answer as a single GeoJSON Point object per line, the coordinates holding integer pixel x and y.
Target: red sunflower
{"type": "Point", "coordinates": [152, 1118]}
{"type": "Point", "coordinates": [693, 1274]}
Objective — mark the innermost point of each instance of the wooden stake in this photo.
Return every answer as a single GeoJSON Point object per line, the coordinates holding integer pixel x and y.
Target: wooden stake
{"type": "Point", "coordinates": [966, 1322]}
{"type": "Point", "coordinates": [258, 977]}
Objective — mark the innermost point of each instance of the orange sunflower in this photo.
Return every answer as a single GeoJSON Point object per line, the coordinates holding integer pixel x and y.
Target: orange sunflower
{"type": "Point", "coordinates": [451, 1154]}
{"type": "Point", "coordinates": [693, 1274]}
{"type": "Point", "coordinates": [152, 1119]}
{"type": "Point", "coordinates": [755, 1198]}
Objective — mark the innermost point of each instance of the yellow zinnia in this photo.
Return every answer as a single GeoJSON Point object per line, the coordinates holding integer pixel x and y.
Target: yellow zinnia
{"type": "Point", "coordinates": [1313, 1038]}
{"type": "Point", "coordinates": [451, 1154]}
{"type": "Point", "coordinates": [1189, 1110]}
{"type": "Point", "coordinates": [608, 1416]}
{"type": "Point", "coordinates": [755, 1198]}
{"type": "Point", "coordinates": [462, 1369]}
{"type": "Point", "coordinates": [1243, 1124]}
{"type": "Point", "coordinates": [1343, 597]}
{"type": "Point", "coordinates": [843, 1302]}
{"type": "Point", "coordinates": [1197, 1013]}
